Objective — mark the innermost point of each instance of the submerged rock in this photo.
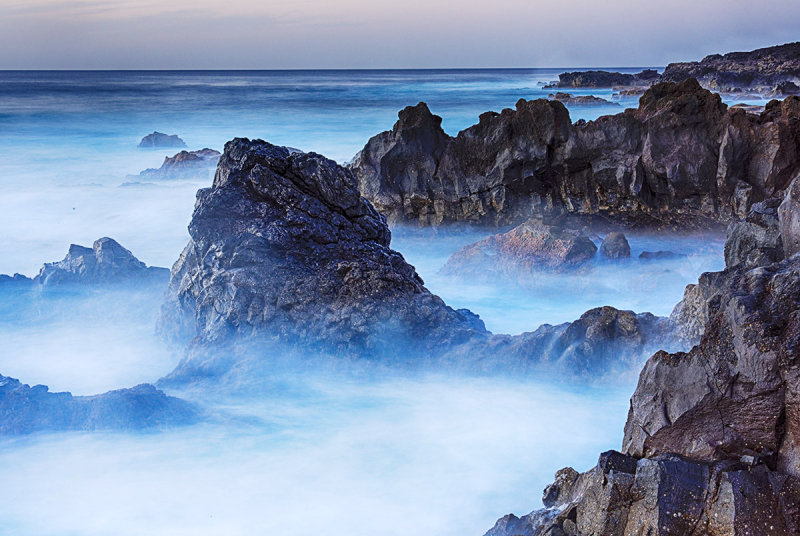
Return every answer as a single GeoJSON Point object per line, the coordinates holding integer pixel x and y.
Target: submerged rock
{"type": "Point", "coordinates": [530, 247]}
{"type": "Point", "coordinates": [682, 159]}
{"type": "Point", "coordinates": [159, 139]}
{"type": "Point", "coordinates": [660, 255]}
{"type": "Point", "coordinates": [105, 262]}
{"type": "Point", "coordinates": [185, 164]}
{"type": "Point", "coordinates": [25, 409]}
{"type": "Point", "coordinates": [580, 100]}
{"type": "Point", "coordinates": [615, 246]}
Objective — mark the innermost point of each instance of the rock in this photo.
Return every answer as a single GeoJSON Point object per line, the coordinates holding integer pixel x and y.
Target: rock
{"type": "Point", "coordinates": [159, 139]}
{"type": "Point", "coordinates": [603, 343]}
{"type": "Point", "coordinates": [184, 165]}
{"type": "Point", "coordinates": [16, 279]}
{"type": "Point", "coordinates": [749, 108]}
{"type": "Point", "coordinates": [25, 409]}
{"type": "Point", "coordinates": [789, 219]}
{"type": "Point", "coordinates": [580, 100]}
{"type": "Point", "coordinates": [756, 241]}
{"type": "Point", "coordinates": [285, 256]}
{"type": "Point", "coordinates": [761, 70]}
{"type": "Point", "coordinates": [596, 79]}
{"type": "Point", "coordinates": [530, 247]}
{"type": "Point", "coordinates": [660, 255]}
{"type": "Point", "coordinates": [786, 88]}
{"type": "Point", "coordinates": [664, 495]}
{"type": "Point", "coordinates": [682, 160]}
{"type": "Point", "coordinates": [283, 247]}
{"type": "Point", "coordinates": [615, 246]}
{"type": "Point", "coordinates": [104, 263]}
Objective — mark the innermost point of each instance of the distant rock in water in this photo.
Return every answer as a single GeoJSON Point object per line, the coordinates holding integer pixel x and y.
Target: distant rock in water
{"type": "Point", "coordinates": [159, 139]}
{"type": "Point", "coordinates": [530, 247]}
{"type": "Point", "coordinates": [660, 255]}
{"type": "Point", "coordinates": [683, 159]}
{"type": "Point", "coordinates": [25, 409]}
{"type": "Point", "coordinates": [615, 246]}
{"type": "Point", "coordinates": [765, 70]}
{"type": "Point", "coordinates": [580, 100]}
{"type": "Point", "coordinates": [604, 79]}
{"type": "Point", "coordinates": [105, 262]}
{"type": "Point", "coordinates": [184, 165]}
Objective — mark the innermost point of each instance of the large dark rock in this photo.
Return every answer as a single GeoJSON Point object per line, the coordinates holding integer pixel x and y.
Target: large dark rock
{"type": "Point", "coordinates": [184, 165]}
{"type": "Point", "coordinates": [284, 251]}
{"type": "Point", "coordinates": [766, 70]}
{"type": "Point", "coordinates": [25, 409]}
{"type": "Point", "coordinates": [284, 247]}
{"type": "Point", "coordinates": [682, 159]}
{"type": "Point", "coordinates": [159, 139]}
{"type": "Point", "coordinates": [105, 262]}
{"type": "Point", "coordinates": [595, 79]}
{"type": "Point", "coordinates": [524, 250]}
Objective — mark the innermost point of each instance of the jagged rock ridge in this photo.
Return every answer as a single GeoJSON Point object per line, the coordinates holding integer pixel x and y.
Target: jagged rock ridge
{"type": "Point", "coordinates": [682, 159]}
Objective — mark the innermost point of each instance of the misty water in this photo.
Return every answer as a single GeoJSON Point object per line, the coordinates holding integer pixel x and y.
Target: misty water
{"type": "Point", "coordinates": [330, 448]}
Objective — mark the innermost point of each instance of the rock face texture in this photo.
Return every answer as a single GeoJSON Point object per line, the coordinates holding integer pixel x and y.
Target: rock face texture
{"type": "Point", "coordinates": [284, 247]}
{"type": "Point", "coordinates": [159, 139]}
{"type": "Point", "coordinates": [772, 70]}
{"type": "Point", "coordinates": [682, 159]}
{"type": "Point", "coordinates": [284, 250]}
{"type": "Point", "coordinates": [615, 246]}
{"type": "Point", "coordinates": [605, 79]}
{"type": "Point", "coordinates": [712, 441]}
{"type": "Point", "coordinates": [184, 165]}
{"type": "Point", "coordinates": [25, 409]}
{"type": "Point", "coordinates": [104, 263]}
{"type": "Point", "coordinates": [528, 248]}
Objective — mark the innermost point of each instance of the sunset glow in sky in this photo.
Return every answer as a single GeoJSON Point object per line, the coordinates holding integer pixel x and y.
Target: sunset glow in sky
{"type": "Point", "coordinates": [229, 34]}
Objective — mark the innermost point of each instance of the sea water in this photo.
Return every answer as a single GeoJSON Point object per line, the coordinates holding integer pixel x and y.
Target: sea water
{"type": "Point", "coordinates": [338, 453]}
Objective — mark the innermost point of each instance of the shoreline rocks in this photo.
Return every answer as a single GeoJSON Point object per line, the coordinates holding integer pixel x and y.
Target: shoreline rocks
{"type": "Point", "coordinates": [682, 160]}
{"type": "Point", "coordinates": [604, 79]}
{"type": "Point", "coordinates": [580, 100]}
{"type": "Point", "coordinates": [615, 246]}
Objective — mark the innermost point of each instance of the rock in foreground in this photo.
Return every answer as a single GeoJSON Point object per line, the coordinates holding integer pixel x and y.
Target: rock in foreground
{"type": "Point", "coordinates": [25, 409]}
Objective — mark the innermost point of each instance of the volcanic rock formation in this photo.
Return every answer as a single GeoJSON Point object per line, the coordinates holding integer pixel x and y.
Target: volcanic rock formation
{"type": "Point", "coordinates": [597, 79]}
{"type": "Point", "coordinates": [682, 159]}
{"type": "Point", "coordinates": [159, 139]}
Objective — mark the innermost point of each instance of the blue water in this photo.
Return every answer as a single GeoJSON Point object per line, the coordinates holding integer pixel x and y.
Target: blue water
{"type": "Point", "coordinates": [444, 455]}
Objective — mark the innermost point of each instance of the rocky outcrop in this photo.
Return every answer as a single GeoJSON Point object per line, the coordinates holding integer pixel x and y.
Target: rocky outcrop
{"type": "Point", "coordinates": [712, 441]}
{"type": "Point", "coordinates": [660, 255]}
{"type": "Point", "coordinates": [184, 165]}
{"type": "Point", "coordinates": [766, 70]}
{"type": "Point", "coordinates": [25, 409]}
{"type": "Point", "coordinates": [526, 249]}
{"type": "Point", "coordinates": [682, 159]}
{"type": "Point", "coordinates": [595, 79]}
{"type": "Point", "coordinates": [568, 99]}
{"type": "Point", "coordinates": [105, 262]}
{"type": "Point", "coordinates": [284, 247]}
{"type": "Point", "coordinates": [159, 139]}
{"type": "Point", "coordinates": [789, 219]}
{"type": "Point", "coordinates": [615, 246]}
{"type": "Point", "coordinates": [285, 255]}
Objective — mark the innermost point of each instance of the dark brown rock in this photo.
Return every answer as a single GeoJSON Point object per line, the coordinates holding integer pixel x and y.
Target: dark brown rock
{"type": "Point", "coordinates": [615, 246]}
{"type": "Point", "coordinates": [184, 165]}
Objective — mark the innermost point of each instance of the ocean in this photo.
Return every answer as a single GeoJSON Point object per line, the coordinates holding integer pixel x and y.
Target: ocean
{"type": "Point", "coordinates": [438, 455]}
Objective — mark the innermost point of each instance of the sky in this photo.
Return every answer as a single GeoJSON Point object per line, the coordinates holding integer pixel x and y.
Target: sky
{"type": "Point", "coordinates": [336, 34]}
